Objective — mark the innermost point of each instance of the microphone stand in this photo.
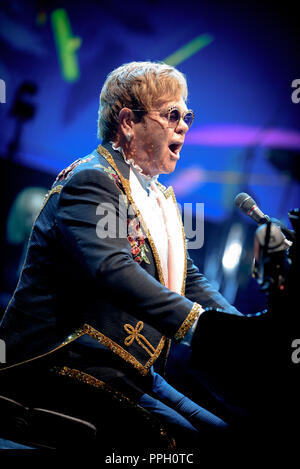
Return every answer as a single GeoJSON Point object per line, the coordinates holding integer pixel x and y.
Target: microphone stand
{"type": "Point", "coordinates": [276, 269]}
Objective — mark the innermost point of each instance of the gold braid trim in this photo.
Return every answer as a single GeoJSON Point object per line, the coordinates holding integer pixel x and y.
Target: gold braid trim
{"type": "Point", "coordinates": [70, 338]}
{"type": "Point", "coordinates": [54, 190]}
{"type": "Point", "coordinates": [97, 383]}
{"type": "Point", "coordinates": [161, 186]}
{"type": "Point", "coordinates": [107, 342]}
{"type": "Point", "coordinates": [89, 379]}
{"type": "Point", "coordinates": [188, 322]}
{"type": "Point", "coordinates": [116, 348]}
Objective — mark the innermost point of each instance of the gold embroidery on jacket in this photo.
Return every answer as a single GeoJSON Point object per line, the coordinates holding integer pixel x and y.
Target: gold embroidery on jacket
{"type": "Point", "coordinates": [134, 334]}
{"type": "Point", "coordinates": [107, 342]}
{"type": "Point", "coordinates": [188, 322]}
{"type": "Point", "coordinates": [75, 335]}
{"type": "Point", "coordinates": [54, 190]}
{"type": "Point", "coordinates": [116, 348]}
{"type": "Point", "coordinates": [88, 379]}
{"type": "Point", "coordinates": [119, 396]}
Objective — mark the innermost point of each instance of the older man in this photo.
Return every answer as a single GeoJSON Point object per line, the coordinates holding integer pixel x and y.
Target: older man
{"type": "Point", "coordinates": [107, 281]}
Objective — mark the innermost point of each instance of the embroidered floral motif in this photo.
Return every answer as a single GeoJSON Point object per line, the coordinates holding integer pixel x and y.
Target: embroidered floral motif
{"type": "Point", "coordinates": [136, 238]}
{"type": "Point", "coordinates": [66, 173]}
{"type": "Point", "coordinates": [112, 174]}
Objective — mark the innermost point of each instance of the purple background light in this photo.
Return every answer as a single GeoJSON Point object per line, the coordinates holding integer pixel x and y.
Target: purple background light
{"type": "Point", "coordinates": [237, 135]}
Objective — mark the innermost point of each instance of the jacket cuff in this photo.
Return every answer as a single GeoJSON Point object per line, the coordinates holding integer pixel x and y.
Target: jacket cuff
{"type": "Point", "coordinates": [188, 322]}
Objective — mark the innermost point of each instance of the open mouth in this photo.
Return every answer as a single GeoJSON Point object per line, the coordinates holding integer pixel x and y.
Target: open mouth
{"type": "Point", "coordinates": [175, 149]}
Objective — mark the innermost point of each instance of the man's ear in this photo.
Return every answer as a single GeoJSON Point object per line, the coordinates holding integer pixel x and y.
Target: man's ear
{"type": "Point", "coordinates": [125, 117]}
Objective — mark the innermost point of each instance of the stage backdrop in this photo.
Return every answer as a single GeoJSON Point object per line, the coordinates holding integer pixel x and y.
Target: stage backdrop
{"type": "Point", "coordinates": [242, 68]}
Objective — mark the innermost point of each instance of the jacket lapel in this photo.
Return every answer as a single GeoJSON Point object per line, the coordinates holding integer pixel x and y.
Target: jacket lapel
{"type": "Point", "coordinates": [174, 221]}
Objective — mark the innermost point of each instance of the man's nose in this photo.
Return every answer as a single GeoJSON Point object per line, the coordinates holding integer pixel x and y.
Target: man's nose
{"type": "Point", "coordinates": [182, 126]}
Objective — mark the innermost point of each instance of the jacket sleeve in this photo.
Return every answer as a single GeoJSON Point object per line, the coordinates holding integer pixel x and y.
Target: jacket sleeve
{"type": "Point", "coordinates": [198, 289]}
{"type": "Point", "coordinates": [88, 197]}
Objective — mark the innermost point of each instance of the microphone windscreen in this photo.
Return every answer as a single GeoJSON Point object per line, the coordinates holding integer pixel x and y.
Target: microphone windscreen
{"type": "Point", "coordinates": [244, 202]}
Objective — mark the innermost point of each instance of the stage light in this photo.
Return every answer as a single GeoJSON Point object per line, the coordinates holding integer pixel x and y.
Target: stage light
{"type": "Point", "coordinates": [66, 44]}
{"type": "Point", "coordinates": [225, 135]}
{"type": "Point", "coordinates": [233, 248]}
{"type": "Point", "coordinates": [189, 49]}
{"type": "Point", "coordinates": [232, 256]}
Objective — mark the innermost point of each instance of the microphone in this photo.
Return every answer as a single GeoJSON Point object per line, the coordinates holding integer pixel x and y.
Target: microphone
{"type": "Point", "coordinates": [248, 206]}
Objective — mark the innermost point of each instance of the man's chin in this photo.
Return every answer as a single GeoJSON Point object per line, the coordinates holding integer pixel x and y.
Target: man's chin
{"type": "Point", "coordinates": [167, 170]}
{"type": "Point", "coordinates": [172, 167]}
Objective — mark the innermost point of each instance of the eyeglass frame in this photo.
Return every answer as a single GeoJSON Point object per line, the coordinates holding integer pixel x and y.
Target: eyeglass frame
{"type": "Point", "coordinates": [168, 112]}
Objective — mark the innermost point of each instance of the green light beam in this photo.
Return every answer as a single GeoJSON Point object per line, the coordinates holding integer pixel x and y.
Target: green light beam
{"type": "Point", "coordinates": [66, 44]}
{"type": "Point", "coordinates": [189, 49]}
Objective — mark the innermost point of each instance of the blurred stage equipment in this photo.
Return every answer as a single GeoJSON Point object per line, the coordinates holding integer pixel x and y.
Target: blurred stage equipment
{"type": "Point", "coordinates": [23, 110]}
{"type": "Point", "coordinates": [22, 192]}
{"type": "Point", "coordinates": [286, 161]}
{"type": "Point", "coordinates": [272, 262]}
{"type": "Point", "coordinates": [22, 215]}
{"type": "Point", "coordinates": [23, 212]}
{"type": "Point", "coordinates": [272, 244]}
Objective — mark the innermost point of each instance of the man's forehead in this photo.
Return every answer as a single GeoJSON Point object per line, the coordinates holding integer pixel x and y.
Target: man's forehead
{"type": "Point", "coordinates": [179, 103]}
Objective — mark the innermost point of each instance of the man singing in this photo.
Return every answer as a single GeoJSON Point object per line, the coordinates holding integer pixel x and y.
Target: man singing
{"type": "Point", "coordinates": [107, 282]}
